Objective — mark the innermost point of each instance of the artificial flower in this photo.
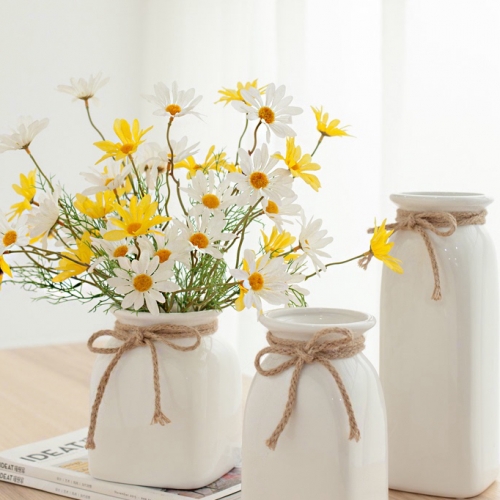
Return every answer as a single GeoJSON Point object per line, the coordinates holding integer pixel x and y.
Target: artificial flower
{"type": "Point", "coordinates": [278, 243]}
{"type": "Point", "coordinates": [143, 280]}
{"type": "Point", "coordinates": [104, 204]}
{"type": "Point", "coordinates": [75, 261]}
{"type": "Point", "coordinates": [286, 208]}
{"type": "Point", "coordinates": [300, 165]}
{"type": "Point", "coordinates": [275, 113]}
{"type": "Point", "coordinates": [213, 161]}
{"type": "Point", "coordinates": [312, 239]}
{"type": "Point", "coordinates": [4, 269]}
{"type": "Point", "coordinates": [380, 248]}
{"type": "Point", "coordinates": [84, 89]}
{"type": "Point", "coordinates": [130, 140]}
{"type": "Point", "coordinates": [264, 278]}
{"type": "Point", "coordinates": [26, 189]}
{"type": "Point", "coordinates": [22, 137]}
{"type": "Point", "coordinates": [114, 176]}
{"type": "Point", "coordinates": [259, 178]}
{"type": "Point", "coordinates": [208, 196]}
{"type": "Point", "coordinates": [229, 95]}
{"type": "Point", "coordinates": [138, 219]}
{"type": "Point", "coordinates": [172, 245]}
{"type": "Point", "coordinates": [13, 234]}
{"type": "Point", "coordinates": [324, 128]}
{"type": "Point", "coordinates": [174, 104]}
{"type": "Point", "coordinates": [114, 249]}
{"type": "Point", "coordinates": [205, 233]}
{"type": "Point", "coordinates": [44, 217]}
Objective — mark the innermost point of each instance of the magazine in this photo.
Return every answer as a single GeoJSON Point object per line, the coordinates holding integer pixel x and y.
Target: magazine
{"type": "Point", "coordinates": [63, 460]}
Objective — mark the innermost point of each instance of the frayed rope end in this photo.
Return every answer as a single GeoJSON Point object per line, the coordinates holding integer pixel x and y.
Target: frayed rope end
{"type": "Point", "coordinates": [160, 418]}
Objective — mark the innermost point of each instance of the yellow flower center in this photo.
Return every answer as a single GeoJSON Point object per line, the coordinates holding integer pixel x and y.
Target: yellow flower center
{"type": "Point", "coordinates": [120, 251]}
{"type": "Point", "coordinates": [199, 240]}
{"type": "Point", "coordinates": [143, 282]}
{"type": "Point", "coordinates": [266, 114]}
{"type": "Point", "coordinates": [256, 281]}
{"type": "Point", "coordinates": [259, 180]}
{"type": "Point", "coordinates": [210, 201]}
{"type": "Point", "coordinates": [173, 109]}
{"type": "Point", "coordinates": [272, 208]}
{"type": "Point", "coordinates": [127, 148]}
{"type": "Point", "coordinates": [164, 255]}
{"type": "Point", "coordinates": [9, 238]}
{"type": "Point", "coordinates": [133, 227]}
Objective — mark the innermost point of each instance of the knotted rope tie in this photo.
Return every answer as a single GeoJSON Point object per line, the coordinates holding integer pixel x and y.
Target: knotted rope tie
{"type": "Point", "coordinates": [433, 222]}
{"type": "Point", "coordinates": [313, 351]}
{"type": "Point", "coordinates": [135, 336]}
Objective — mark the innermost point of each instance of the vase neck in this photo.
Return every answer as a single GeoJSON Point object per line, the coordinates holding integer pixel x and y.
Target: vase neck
{"type": "Point", "coordinates": [441, 201]}
{"type": "Point", "coordinates": [190, 319]}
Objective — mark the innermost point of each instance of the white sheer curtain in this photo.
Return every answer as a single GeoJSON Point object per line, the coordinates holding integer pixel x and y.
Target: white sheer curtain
{"type": "Point", "coordinates": [416, 81]}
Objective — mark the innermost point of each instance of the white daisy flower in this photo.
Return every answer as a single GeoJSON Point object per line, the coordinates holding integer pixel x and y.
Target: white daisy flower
{"type": "Point", "coordinates": [312, 240]}
{"type": "Point", "coordinates": [154, 160]}
{"type": "Point", "coordinates": [286, 208]}
{"type": "Point", "coordinates": [171, 246]}
{"type": "Point", "coordinates": [208, 196]}
{"type": "Point", "coordinates": [143, 280]}
{"type": "Point", "coordinates": [42, 218]}
{"type": "Point", "coordinates": [16, 233]}
{"type": "Point", "coordinates": [22, 137]}
{"type": "Point", "coordinates": [258, 179]}
{"type": "Point", "coordinates": [173, 103]}
{"type": "Point", "coordinates": [114, 249]}
{"type": "Point", "coordinates": [84, 89]}
{"type": "Point", "coordinates": [275, 113]}
{"type": "Point", "coordinates": [205, 233]}
{"type": "Point", "coordinates": [265, 278]}
{"type": "Point", "coordinates": [112, 177]}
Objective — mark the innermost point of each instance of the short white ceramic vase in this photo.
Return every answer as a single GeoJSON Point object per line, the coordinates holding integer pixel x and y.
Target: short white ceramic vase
{"type": "Point", "coordinates": [200, 394]}
{"type": "Point", "coordinates": [314, 458]}
{"type": "Point", "coordinates": [439, 358]}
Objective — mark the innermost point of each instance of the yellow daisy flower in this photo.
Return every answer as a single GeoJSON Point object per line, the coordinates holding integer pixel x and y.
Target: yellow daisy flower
{"type": "Point", "coordinates": [130, 140]}
{"type": "Point", "coordinates": [137, 220]}
{"type": "Point", "coordinates": [98, 209]}
{"type": "Point", "coordinates": [26, 189]}
{"type": "Point", "coordinates": [4, 269]}
{"type": "Point", "coordinates": [277, 243]}
{"type": "Point", "coordinates": [229, 95]}
{"type": "Point", "coordinates": [76, 260]}
{"type": "Point", "coordinates": [299, 166]}
{"type": "Point", "coordinates": [212, 161]}
{"type": "Point", "coordinates": [380, 248]}
{"type": "Point", "coordinates": [324, 128]}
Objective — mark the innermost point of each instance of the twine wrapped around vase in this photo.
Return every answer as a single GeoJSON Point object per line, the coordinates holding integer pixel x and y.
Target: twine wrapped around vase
{"type": "Point", "coordinates": [136, 336]}
{"type": "Point", "coordinates": [433, 221]}
{"type": "Point", "coordinates": [316, 350]}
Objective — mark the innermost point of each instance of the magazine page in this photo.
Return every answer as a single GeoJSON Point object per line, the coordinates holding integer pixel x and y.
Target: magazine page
{"type": "Point", "coordinates": [64, 460]}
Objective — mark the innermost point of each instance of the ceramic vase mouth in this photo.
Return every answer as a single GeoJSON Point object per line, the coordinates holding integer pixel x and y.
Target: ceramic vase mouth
{"type": "Point", "coordinates": [193, 318]}
{"type": "Point", "coordinates": [303, 322]}
{"type": "Point", "coordinates": [450, 201]}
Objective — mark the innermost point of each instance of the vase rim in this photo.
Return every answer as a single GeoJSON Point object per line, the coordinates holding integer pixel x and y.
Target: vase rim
{"type": "Point", "coordinates": [192, 318]}
{"type": "Point", "coordinates": [309, 320]}
{"type": "Point", "coordinates": [441, 200]}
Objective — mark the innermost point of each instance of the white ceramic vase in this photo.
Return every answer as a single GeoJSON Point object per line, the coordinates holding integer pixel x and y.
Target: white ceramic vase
{"type": "Point", "coordinates": [200, 394]}
{"type": "Point", "coordinates": [439, 359]}
{"type": "Point", "coordinates": [313, 458]}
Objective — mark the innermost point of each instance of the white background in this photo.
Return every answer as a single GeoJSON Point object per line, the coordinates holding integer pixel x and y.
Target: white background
{"type": "Point", "coordinates": [417, 81]}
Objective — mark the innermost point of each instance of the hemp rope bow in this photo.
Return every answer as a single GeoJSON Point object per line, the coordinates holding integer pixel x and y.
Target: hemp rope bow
{"type": "Point", "coordinates": [312, 351]}
{"type": "Point", "coordinates": [432, 221]}
{"type": "Point", "coordinates": [135, 336]}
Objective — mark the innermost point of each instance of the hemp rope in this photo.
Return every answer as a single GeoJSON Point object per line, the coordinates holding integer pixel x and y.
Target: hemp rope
{"type": "Point", "coordinates": [136, 336]}
{"type": "Point", "coordinates": [432, 221]}
{"type": "Point", "coordinates": [312, 351]}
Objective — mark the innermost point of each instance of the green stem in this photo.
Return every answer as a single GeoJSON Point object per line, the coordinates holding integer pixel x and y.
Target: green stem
{"type": "Point", "coordinates": [255, 138]}
{"type": "Point", "coordinates": [39, 169]}
{"type": "Point", "coordinates": [90, 119]}
{"type": "Point", "coordinates": [317, 145]}
{"type": "Point", "coordinates": [336, 264]}
{"type": "Point", "coordinates": [139, 182]}
{"type": "Point", "coordinates": [239, 143]}
{"type": "Point", "coordinates": [177, 183]}
{"type": "Point", "coordinates": [242, 231]}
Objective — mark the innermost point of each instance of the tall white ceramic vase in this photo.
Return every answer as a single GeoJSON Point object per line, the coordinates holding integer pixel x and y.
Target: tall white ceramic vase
{"type": "Point", "coordinates": [313, 458]}
{"type": "Point", "coordinates": [439, 359]}
{"type": "Point", "coordinates": [200, 394]}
